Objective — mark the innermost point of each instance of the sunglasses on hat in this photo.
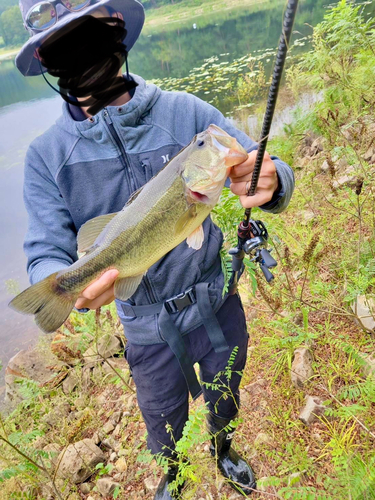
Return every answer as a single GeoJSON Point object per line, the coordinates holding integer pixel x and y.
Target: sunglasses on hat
{"type": "Point", "coordinates": [43, 15]}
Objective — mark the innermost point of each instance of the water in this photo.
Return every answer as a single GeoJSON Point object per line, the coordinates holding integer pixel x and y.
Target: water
{"type": "Point", "coordinates": [28, 107]}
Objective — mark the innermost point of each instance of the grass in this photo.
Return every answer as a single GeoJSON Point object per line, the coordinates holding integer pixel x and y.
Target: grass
{"type": "Point", "coordinates": [184, 13]}
{"type": "Point", "coordinates": [325, 248]}
{"type": "Point", "coordinates": [8, 52]}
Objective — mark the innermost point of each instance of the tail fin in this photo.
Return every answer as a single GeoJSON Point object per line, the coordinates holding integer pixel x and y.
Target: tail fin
{"type": "Point", "coordinates": [50, 308]}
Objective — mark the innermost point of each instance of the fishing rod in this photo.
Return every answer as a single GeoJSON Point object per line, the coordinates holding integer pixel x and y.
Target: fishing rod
{"type": "Point", "coordinates": [252, 234]}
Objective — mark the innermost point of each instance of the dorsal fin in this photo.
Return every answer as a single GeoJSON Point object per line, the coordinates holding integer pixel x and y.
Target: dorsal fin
{"type": "Point", "coordinates": [90, 231]}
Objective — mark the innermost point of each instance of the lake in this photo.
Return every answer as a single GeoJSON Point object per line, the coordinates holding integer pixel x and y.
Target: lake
{"type": "Point", "coordinates": [28, 107]}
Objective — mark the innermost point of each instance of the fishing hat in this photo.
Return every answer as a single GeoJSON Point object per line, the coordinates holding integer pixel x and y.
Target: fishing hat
{"type": "Point", "coordinates": [29, 65]}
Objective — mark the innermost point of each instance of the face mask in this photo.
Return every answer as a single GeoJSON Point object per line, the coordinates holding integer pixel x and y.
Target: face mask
{"type": "Point", "coordinates": [86, 56]}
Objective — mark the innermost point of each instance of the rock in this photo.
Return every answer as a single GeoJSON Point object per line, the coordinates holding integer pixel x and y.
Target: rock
{"type": "Point", "coordinates": [344, 180]}
{"type": "Point", "coordinates": [70, 383]}
{"type": "Point", "coordinates": [312, 410]}
{"type": "Point", "coordinates": [372, 161]}
{"type": "Point", "coordinates": [86, 488]}
{"type": "Point", "coordinates": [111, 444]}
{"type": "Point", "coordinates": [325, 167]}
{"type": "Point", "coordinates": [108, 427]}
{"type": "Point", "coordinates": [28, 365]}
{"type": "Point", "coordinates": [256, 387]}
{"type": "Point", "coordinates": [74, 496]}
{"type": "Point", "coordinates": [343, 166]}
{"type": "Point", "coordinates": [116, 417]}
{"type": "Point", "coordinates": [106, 486]}
{"type": "Point", "coordinates": [316, 146]}
{"type": "Point", "coordinates": [301, 366]}
{"type": "Point", "coordinates": [130, 402]}
{"type": "Point", "coordinates": [308, 215]}
{"type": "Point", "coordinates": [295, 479]}
{"type": "Point", "coordinates": [368, 367]}
{"type": "Point", "coordinates": [113, 456]}
{"type": "Point", "coordinates": [151, 483]}
{"type": "Point", "coordinates": [369, 153]}
{"type": "Point", "coordinates": [86, 378]}
{"type": "Point", "coordinates": [121, 465]}
{"type": "Point", "coordinates": [81, 402]}
{"type": "Point", "coordinates": [263, 438]}
{"type": "Point", "coordinates": [117, 430]}
{"type": "Point", "coordinates": [364, 308]}
{"type": "Point", "coordinates": [57, 415]}
{"type": "Point", "coordinates": [78, 460]}
{"type": "Point", "coordinates": [105, 347]}
{"type": "Point", "coordinates": [351, 132]}
{"type": "Point", "coordinates": [96, 438]}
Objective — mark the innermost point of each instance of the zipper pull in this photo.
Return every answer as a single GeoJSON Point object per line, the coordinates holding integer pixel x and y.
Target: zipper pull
{"type": "Point", "coordinates": [106, 116]}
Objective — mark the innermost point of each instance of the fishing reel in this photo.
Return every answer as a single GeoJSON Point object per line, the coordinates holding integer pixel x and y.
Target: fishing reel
{"type": "Point", "coordinates": [252, 241]}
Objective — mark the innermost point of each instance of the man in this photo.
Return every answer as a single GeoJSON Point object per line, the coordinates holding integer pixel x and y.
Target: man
{"type": "Point", "coordinates": [88, 164]}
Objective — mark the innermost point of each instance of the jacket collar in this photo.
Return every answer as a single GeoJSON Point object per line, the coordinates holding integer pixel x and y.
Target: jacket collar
{"type": "Point", "coordinates": [127, 115]}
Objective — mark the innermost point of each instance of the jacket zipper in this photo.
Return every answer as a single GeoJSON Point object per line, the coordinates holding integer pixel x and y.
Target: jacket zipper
{"type": "Point", "coordinates": [124, 159]}
{"type": "Point", "coordinates": [125, 162]}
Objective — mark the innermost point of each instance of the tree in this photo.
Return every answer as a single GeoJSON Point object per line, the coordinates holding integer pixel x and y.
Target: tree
{"type": "Point", "coordinates": [11, 26]}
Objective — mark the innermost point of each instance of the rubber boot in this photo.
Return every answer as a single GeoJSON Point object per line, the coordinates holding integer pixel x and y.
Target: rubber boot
{"type": "Point", "coordinates": [162, 492]}
{"type": "Point", "coordinates": [231, 465]}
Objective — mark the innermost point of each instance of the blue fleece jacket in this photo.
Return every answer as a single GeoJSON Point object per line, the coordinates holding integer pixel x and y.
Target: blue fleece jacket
{"type": "Point", "coordinates": [78, 170]}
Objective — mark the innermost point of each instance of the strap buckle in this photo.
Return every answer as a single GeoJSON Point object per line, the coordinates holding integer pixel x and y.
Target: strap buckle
{"type": "Point", "coordinates": [180, 301]}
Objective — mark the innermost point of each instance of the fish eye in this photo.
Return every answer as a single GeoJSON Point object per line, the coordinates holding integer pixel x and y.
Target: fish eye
{"type": "Point", "coordinates": [201, 143]}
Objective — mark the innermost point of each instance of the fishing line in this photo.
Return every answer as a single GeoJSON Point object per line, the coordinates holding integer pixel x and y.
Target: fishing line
{"type": "Point", "coordinates": [252, 235]}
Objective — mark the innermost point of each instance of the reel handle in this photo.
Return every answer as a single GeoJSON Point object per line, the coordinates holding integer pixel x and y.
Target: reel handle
{"type": "Point", "coordinates": [267, 273]}
{"type": "Point", "coordinates": [267, 258]}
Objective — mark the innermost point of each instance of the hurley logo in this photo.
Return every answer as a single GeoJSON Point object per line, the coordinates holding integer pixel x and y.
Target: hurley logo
{"type": "Point", "coordinates": [165, 158]}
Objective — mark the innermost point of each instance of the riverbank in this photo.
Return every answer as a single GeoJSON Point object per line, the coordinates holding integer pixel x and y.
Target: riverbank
{"type": "Point", "coordinates": [8, 53]}
{"type": "Point", "coordinates": [307, 417]}
{"type": "Point", "coordinates": [166, 17]}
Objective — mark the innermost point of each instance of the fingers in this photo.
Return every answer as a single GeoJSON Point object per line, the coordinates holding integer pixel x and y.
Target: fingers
{"type": "Point", "coordinates": [247, 167]}
{"type": "Point", "coordinates": [102, 300]}
{"type": "Point", "coordinates": [97, 289]}
{"type": "Point", "coordinates": [264, 184]}
{"type": "Point", "coordinates": [257, 200]}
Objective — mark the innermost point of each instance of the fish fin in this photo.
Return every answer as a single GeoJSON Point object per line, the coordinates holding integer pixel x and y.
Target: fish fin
{"type": "Point", "coordinates": [50, 307]}
{"type": "Point", "coordinates": [185, 218]}
{"type": "Point", "coordinates": [126, 287]}
{"type": "Point", "coordinates": [91, 230]}
{"type": "Point", "coordinates": [196, 238]}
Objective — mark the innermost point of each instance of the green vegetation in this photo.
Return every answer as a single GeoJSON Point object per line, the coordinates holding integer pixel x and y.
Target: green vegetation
{"type": "Point", "coordinates": [325, 247]}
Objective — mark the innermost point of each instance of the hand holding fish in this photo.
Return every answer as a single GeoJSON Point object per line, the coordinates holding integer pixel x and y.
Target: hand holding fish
{"type": "Point", "coordinates": [241, 175]}
{"type": "Point", "coordinates": [100, 293]}
{"type": "Point", "coordinates": [169, 209]}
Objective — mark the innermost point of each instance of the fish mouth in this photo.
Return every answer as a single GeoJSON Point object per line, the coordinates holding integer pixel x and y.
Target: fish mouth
{"type": "Point", "coordinates": [202, 198]}
{"type": "Point", "coordinates": [234, 151]}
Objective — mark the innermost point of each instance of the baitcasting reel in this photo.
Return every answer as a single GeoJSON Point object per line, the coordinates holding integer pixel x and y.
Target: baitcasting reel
{"type": "Point", "coordinates": [252, 240]}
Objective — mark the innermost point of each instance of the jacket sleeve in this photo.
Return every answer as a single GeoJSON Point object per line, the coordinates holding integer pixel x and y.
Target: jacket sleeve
{"type": "Point", "coordinates": [50, 243]}
{"type": "Point", "coordinates": [207, 114]}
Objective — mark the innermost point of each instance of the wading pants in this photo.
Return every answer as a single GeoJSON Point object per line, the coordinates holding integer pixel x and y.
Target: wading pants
{"type": "Point", "coordinates": [161, 387]}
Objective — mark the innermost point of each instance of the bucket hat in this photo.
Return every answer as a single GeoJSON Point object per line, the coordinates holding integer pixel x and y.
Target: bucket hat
{"type": "Point", "coordinates": [131, 10]}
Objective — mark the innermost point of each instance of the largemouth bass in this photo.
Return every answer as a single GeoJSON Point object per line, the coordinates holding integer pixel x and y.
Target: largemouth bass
{"type": "Point", "coordinates": [170, 208]}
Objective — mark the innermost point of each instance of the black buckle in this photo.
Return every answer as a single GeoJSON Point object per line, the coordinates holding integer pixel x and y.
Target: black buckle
{"type": "Point", "coordinates": [180, 301]}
